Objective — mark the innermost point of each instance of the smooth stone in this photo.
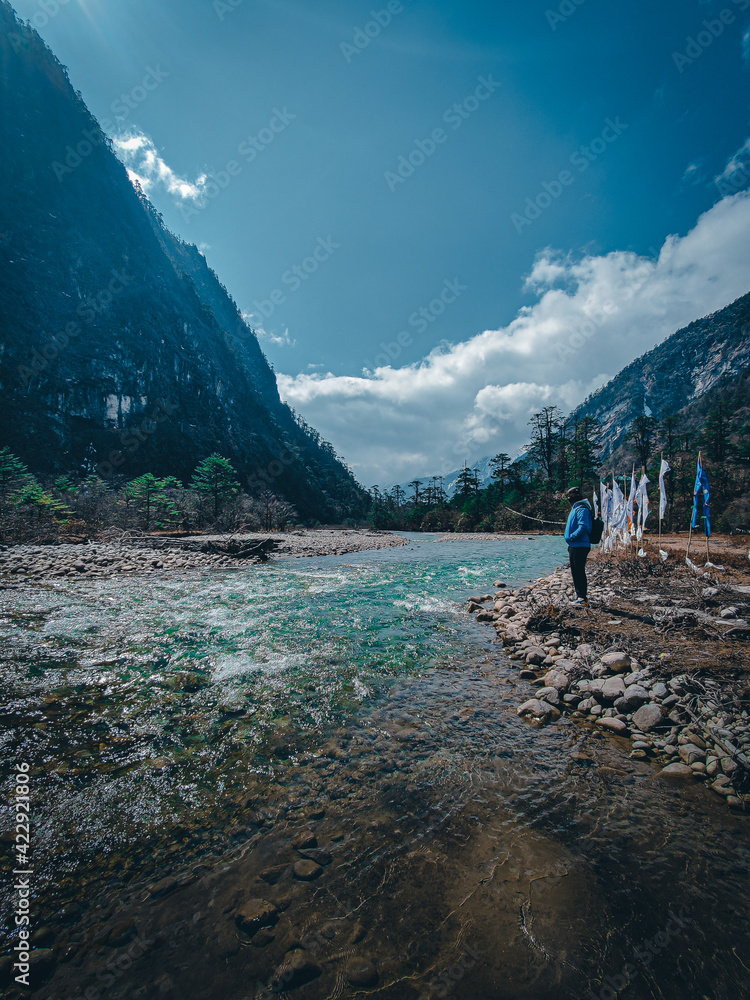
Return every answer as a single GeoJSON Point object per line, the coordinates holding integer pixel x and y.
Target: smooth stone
{"type": "Point", "coordinates": [307, 870]}
{"type": "Point", "coordinates": [254, 914]}
{"type": "Point", "coordinates": [734, 803]}
{"type": "Point", "coordinates": [616, 662]}
{"type": "Point", "coordinates": [614, 725]}
{"type": "Point", "coordinates": [659, 690]}
{"type": "Point", "coordinates": [361, 972]}
{"type": "Point", "coordinates": [677, 770]}
{"type": "Point", "coordinates": [305, 838]}
{"type": "Point", "coordinates": [636, 695]}
{"type": "Point", "coordinates": [690, 754]}
{"type": "Point", "coordinates": [550, 695]}
{"type": "Point", "coordinates": [539, 709]}
{"type": "Point", "coordinates": [647, 717]}
{"type": "Point", "coordinates": [613, 688]}
{"type": "Point", "coordinates": [557, 679]}
{"type": "Point", "coordinates": [295, 971]}
{"type": "Point", "coordinates": [535, 656]}
{"type": "Point", "coordinates": [41, 963]}
{"type": "Point", "coordinates": [696, 740]}
{"type": "Point", "coordinates": [321, 858]}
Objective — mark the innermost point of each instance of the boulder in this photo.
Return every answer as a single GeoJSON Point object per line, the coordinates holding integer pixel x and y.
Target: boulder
{"type": "Point", "coordinates": [677, 770]}
{"type": "Point", "coordinates": [613, 688]}
{"type": "Point", "coordinates": [618, 663]}
{"type": "Point", "coordinates": [690, 754]}
{"type": "Point", "coordinates": [635, 695]}
{"type": "Point", "coordinates": [614, 725]}
{"type": "Point", "coordinates": [535, 656]}
{"type": "Point", "coordinates": [538, 709]}
{"type": "Point", "coordinates": [647, 717]}
{"type": "Point", "coordinates": [254, 914]}
{"type": "Point", "coordinates": [549, 694]}
{"type": "Point", "coordinates": [557, 679]}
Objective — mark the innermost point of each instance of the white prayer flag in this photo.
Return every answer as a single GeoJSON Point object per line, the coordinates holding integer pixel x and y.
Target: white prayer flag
{"type": "Point", "coordinates": [662, 490]}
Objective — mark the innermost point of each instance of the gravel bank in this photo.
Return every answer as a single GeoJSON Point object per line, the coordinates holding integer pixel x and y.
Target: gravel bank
{"type": "Point", "coordinates": [151, 554]}
{"type": "Point", "coordinates": [695, 723]}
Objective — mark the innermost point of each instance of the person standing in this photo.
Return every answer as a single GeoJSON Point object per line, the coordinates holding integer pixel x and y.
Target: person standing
{"type": "Point", "coordinates": [578, 536]}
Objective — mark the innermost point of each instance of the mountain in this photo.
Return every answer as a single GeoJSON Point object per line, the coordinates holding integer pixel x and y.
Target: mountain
{"type": "Point", "coordinates": [120, 349]}
{"type": "Point", "coordinates": [680, 370]}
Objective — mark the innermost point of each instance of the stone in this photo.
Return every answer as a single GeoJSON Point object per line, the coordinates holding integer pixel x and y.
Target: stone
{"type": "Point", "coordinates": [696, 740]}
{"type": "Point", "coordinates": [527, 675]}
{"type": "Point", "coordinates": [648, 717]}
{"type": "Point", "coordinates": [698, 767]}
{"type": "Point", "coordinates": [734, 803]}
{"type": "Point", "coordinates": [585, 649]}
{"type": "Point", "coordinates": [614, 725]}
{"type": "Point", "coordinates": [596, 709]}
{"type": "Point", "coordinates": [322, 858]}
{"type": "Point", "coordinates": [677, 770]}
{"type": "Point", "coordinates": [535, 656]}
{"type": "Point", "coordinates": [296, 970]}
{"type": "Point", "coordinates": [120, 934]}
{"type": "Point", "coordinates": [307, 870]}
{"type": "Point", "coordinates": [660, 690]}
{"type": "Point", "coordinates": [563, 663]}
{"type": "Point", "coordinates": [641, 745]}
{"type": "Point", "coordinates": [558, 679]}
{"type": "Point", "coordinates": [728, 766]}
{"type": "Point", "coordinates": [690, 754]}
{"type": "Point", "coordinates": [41, 964]}
{"type": "Point", "coordinates": [612, 688]}
{"type": "Point", "coordinates": [254, 914]}
{"type": "Point", "coordinates": [616, 662]}
{"type": "Point", "coordinates": [549, 694]}
{"type": "Point", "coordinates": [635, 695]}
{"type": "Point", "coordinates": [586, 705]}
{"type": "Point", "coordinates": [361, 972]}
{"type": "Point", "coordinates": [305, 838]}
{"type": "Point", "coordinates": [539, 709]}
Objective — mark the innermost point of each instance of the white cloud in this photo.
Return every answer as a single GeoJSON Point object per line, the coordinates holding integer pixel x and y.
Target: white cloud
{"type": "Point", "coordinates": [278, 340]}
{"type": "Point", "coordinates": [141, 158]}
{"type": "Point", "coordinates": [592, 317]}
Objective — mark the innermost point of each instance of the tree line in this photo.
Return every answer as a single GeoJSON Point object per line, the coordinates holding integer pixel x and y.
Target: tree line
{"type": "Point", "coordinates": [563, 451]}
{"type": "Point", "coordinates": [213, 499]}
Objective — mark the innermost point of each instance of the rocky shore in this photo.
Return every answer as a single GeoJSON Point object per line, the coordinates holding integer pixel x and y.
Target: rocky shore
{"type": "Point", "coordinates": [151, 554]}
{"type": "Point", "coordinates": [695, 722]}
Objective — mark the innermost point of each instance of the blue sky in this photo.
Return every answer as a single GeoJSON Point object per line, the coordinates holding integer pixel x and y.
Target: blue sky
{"type": "Point", "coordinates": [556, 159]}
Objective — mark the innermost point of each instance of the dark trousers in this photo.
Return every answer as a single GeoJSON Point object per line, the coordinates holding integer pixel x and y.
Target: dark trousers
{"type": "Point", "coordinates": [578, 559]}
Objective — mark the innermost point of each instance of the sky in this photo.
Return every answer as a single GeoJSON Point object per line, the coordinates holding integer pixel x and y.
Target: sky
{"type": "Point", "coordinates": [437, 216]}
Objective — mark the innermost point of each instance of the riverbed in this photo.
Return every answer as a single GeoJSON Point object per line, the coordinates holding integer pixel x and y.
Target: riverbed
{"type": "Point", "coordinates": [184, 731]}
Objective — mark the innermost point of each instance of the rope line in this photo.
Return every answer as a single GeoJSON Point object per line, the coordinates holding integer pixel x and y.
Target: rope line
{"type": "Point", "coordinates": [541, 520]}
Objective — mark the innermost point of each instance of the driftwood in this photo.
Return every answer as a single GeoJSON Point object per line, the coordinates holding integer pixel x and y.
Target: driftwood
{"type": "Point", "coordinates": [729, 749]}
{"type": "Point", "coordinates": [242, 550]}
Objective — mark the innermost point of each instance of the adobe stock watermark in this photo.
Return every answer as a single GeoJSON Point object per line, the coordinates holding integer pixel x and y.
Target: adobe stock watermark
{"type": "Point", "coordinates": [444, 983]}
{"type": "Point", "coordinates": [92, 138]}
{"type": "Point", "coordinates": [645, 953]}
{"type": "Point", "coordinates": [87, 311]}
{"type": "Point", "coordinates": [224, 7]}
{"type": "Point", "coordinates": [275, 468]}
{"type": "Point", "coordinates": [734, 181]}
{"type": "Point", "coordinates": [455, 116]}
{"type": "Point", "coordinates": [583, 157]}
{"type": "Point", "coordinates": [219, 180]}
{"type": "Point", "coordinates": [379, 19]}
{"type": "Point", "coordinates": [565, 10]}
{"type": "Point", "coordinates": [294, 278]}
{"type": "Point", "coordinates": [712, 29]}
{"type": "Point", "coordinates": [420, 321]}
{"type": "Point", "coordinates": [47, 10]}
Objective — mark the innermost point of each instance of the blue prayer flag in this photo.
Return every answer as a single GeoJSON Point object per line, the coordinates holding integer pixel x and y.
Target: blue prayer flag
{"type": "Point", "coordinates": [702, 486]}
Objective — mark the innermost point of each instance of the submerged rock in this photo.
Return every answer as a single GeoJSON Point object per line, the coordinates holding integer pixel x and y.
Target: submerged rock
{"type": "Point", "coordinates": [538, 709]}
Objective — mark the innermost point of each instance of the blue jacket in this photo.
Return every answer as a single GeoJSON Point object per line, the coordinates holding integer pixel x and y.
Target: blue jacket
{"type": "Point", "coordinates": [580, 523]}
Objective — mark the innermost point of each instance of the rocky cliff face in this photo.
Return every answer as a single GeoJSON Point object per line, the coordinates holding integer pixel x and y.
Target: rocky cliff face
{"type": "Point", "coordinates": [119, 347]}
{"type": "Point", "coordinates": [681, 369]}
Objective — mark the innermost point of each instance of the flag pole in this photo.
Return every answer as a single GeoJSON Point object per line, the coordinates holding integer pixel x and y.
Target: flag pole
{"type": "Point", "coordinates": [692, 512]}
{"type": "Point", "coordinates": [662, 459]}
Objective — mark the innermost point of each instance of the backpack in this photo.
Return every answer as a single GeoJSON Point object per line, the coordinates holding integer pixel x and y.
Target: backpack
{"type": "Point", "coordinates": [597, 529]}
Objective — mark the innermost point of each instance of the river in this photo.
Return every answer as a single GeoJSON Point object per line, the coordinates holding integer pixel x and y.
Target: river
{"type": "Point", "coordinates": [172, 724]}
